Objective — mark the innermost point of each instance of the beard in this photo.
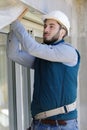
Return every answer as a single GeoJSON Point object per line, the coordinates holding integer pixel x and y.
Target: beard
{"type": "Point", "coordinates": [49, 42]}
{"type": "Point", "coordinates": [52, 40]}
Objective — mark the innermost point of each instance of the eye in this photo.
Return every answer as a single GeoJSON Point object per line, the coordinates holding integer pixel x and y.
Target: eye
{"type": "Point", "coordinates": [52, 27]}
{"type": "Point", "coordinates": [45, 26]}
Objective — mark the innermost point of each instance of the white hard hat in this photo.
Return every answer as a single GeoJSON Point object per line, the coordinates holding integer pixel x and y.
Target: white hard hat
{"type": "Point", "coordinates": [60, 17]}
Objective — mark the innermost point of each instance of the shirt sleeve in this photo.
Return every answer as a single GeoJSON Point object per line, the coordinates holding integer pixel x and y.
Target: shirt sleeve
{"type": "Point", "coordinates": [16, 54]}
{"type": "Point", "coordinates": [58, 53]}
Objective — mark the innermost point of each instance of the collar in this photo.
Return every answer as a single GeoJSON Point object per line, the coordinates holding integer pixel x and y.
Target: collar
{"type": "Point", "coordinates": [57, 42]}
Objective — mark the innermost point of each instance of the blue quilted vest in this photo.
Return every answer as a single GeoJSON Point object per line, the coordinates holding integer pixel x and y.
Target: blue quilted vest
{"type": "Point", "coordinates": [55, 85]}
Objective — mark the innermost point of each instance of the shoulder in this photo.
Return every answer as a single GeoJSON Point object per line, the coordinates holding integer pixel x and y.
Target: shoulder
{"type": "Point", "coordinates": [66, 47]}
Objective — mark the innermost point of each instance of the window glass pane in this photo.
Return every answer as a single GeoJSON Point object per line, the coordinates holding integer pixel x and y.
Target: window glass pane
{"type": "Point", "coordinates": [4, 113]}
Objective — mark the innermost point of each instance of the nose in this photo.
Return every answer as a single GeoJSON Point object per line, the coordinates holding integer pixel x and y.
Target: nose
{"type": "Point", "coordinates": [46, 29]}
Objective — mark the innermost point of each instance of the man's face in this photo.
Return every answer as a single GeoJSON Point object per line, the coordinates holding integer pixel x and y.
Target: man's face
{"type": "Point", "coordinates": [51, 31]}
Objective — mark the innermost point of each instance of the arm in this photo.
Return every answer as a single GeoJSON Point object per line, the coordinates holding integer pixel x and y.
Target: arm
{"type": "Point", "coordinates": [16, 54]}
{"type": "Point", "coordinates": [59, 53]}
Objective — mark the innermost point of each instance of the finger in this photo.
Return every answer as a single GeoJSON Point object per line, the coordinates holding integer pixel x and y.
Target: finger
{"type": "Point", "coordinates": [23, 13]}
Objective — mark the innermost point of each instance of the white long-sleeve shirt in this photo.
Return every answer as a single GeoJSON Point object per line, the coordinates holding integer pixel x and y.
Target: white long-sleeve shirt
{"type": "Point", "coordinates": [31, 49]}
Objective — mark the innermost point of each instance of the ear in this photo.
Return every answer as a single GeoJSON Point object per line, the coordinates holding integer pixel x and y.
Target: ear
{"type": "Point", "coordinates": [62, 32]}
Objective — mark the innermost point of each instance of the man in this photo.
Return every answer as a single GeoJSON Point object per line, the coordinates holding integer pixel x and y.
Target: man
{"type": "Point", "coordinates": [56, 65]}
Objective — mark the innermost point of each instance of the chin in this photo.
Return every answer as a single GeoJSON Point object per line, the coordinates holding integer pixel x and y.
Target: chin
{"type": "Point", "coordinates": [48, 42]}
